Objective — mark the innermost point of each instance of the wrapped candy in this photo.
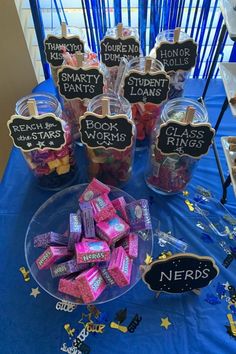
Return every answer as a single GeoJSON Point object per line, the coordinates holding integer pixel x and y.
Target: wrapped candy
{"type": "Point", "coordinates": [50, 256]}
{"type": "Point", "coordinates": [112, 230]}
{"type": "Point", "coordinates": [120, 267]}
{"type": "Point", "coordinates": [67, 268]}
{"type": "Point", "coordinates": [69, 286]}
{"type": "Point", "coordinates": [92, 251]}
{"type": "Point", "coordinates": [111, 166]}
{"type": "Point", "coordinates": [178, 78]}
{"type": "Point", "coordinates": [50, 239]}
{"type": "Point", "coordinates": [53, 169]}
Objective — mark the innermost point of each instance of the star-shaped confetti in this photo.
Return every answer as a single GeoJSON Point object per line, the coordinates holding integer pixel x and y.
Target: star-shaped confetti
{"type": "Point", "coordinates": [165, 322]}
{"type": "Point", "coordinates": [51, 143]}
{"type": "Point", "coordinates": [84, 317]}
{"type": "Point", "coordinates": [185, 193]}
{"type": "Point", "coordinates": [29, 144]}
{"type": "Point", "coordinates": [226, 285]}
{"type": "Point", "coordinates": [69, 330]}
{"type": "Point", "coordinates": [148, 259]}
{"type": "Point", "coordinates": [34, 292]}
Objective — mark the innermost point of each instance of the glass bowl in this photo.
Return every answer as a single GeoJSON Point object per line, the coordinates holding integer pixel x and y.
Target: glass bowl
{"type": "Point", "coordinates": [53, 215]}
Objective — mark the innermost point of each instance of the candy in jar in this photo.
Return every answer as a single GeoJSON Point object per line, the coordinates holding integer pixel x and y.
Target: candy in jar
{"type": "Point", "coordinates": [114, 48]}
{"type": "Point", "coordinates": [177, 77]}
{"type": "Point", "coordinates": [78, 83]}
{"type": "Point", "coordinates": [71, 38]}
{"type": "Point", "coordinates": [109, 145]}
{"type": "Point", "coordinates": [145, 85]}
{"type": "Point", "coordinates": [53, 168]}
{"type": "Point", "coordinates": [170, 173]}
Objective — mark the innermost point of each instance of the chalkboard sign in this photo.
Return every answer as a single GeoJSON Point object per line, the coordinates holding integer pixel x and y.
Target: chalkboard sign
{"type": "Point", "coordinates": [109, 132]}
{"type": "Point", "coordinates": [113, 49]}
{"type": "Point", "coordinates": [185, 138]}
{"type": "Point", "coordinates": [146, 87]}
{"type": "Point", "coordinates": [180, 273]}
{"type": "Point", "coordinates": [53, 44]}
{"type": "Point", "coordinates": [80, 83]}
{"type": "Point", "coordinates": [37, 133]}
{"type": "Point", "coordinates": [177, 55]}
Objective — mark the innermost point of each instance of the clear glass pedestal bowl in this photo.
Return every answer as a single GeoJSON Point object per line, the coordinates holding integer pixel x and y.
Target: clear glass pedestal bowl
{"type": "Point", "coordinates": [53, 215]}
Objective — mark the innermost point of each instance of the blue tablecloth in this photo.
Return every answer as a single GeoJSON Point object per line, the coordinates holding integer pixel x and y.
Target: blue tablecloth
{"type": "Point", "coordinates": [198, 323]}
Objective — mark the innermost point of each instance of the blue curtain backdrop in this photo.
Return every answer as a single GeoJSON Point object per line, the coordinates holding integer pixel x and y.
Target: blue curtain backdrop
{"type": "Point", "coordinates": [201, 19]}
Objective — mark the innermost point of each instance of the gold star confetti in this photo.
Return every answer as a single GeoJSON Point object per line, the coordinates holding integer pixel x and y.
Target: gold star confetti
{"type": "Point", "coordinates": [185, 193]}
{"type": "Point", "coordinates": [34, 292]}
{"type": "Point", "coordinates": [189, 204]}
{"type": "Point", "coordinates": [83, 318]}
{"type": "Point", "coordinates": [148, 259]}
{"type": "Point", "coordinates": [165, 322]}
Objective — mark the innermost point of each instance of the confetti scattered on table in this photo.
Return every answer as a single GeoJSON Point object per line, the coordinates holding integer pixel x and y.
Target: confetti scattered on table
{"type": "Point", "coordinates": [189, 205]}
{"type": "Point", "coordinates": [84, 317]}
{"type": "Point", "coordinates": [226, 285]}
{"type": "Point", "coordinates": [165, 322]}
{"type": "Point", "coordinates": [34, 292]}
{"type": "Point", "coordinates": [148, 259]}
{"type": "Point", "coordinates": [120, 328]}
{"type": "Point", "coordinates": [69, 330]}
{"type": "Point", "coordinates": [25, 273]}
{"type": "Point", "coordinates": [185, 193]}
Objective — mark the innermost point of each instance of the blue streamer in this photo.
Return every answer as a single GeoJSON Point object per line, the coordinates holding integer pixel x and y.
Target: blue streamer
{"type": "Point", "coordinates": [188, 15]}
{"type": "Point", "coordinates": [117, 12]}
{"type": "Point", "coordinates": [143, 5]}
{"type": "Point", "coordinates": [194, 18]}
{"type": "Point", "coordinates": [180, 13]}
{"type": "Point", "coordinates": [93, 44]}
{"type": "Point", "coordinates": [104, 17]}
{"type": "Point", "coordinates": [109, 16]}
{"type": "Point", "coordinates": [96, 21]}
{"type": "Point", "coordinates": [233, 53]}
{"type": "Point", "coordinates": [153, 14]}
{"type": "Point", "coordinates": [86, 25]}
{"type": "Point", "coordinates": [129, 13]}
{"type": "Point", "coordinates": [63, 11]}
{"type": "Point", "coordinates": [58, 11]}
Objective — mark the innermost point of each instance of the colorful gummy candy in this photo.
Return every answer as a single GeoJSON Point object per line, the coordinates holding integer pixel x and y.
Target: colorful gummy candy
{"type": "Point", "coordinates": [85, 266]}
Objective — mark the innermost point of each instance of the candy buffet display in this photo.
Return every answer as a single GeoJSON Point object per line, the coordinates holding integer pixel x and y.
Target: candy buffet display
{"type": "Point", "coordinates": [108, 131]}
{"type": "Point", "coordinates": [92, 256]}
{"type": "Point", "coordinates": [178, 52]}
{"type": "Point", "coordinates": [119, 42]}
{"type": "Point", "coordinates": [145, 86]}
{"type": "Point", "coordinates": [177, 147]}
{"type": "Point", "coordinates": [80, 78]}
{"type": "Point", "coordinates": [39, 130]}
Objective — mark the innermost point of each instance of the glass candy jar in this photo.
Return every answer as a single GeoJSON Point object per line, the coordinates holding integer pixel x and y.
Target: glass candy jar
{"type": "Point", "coordinates": [53, 169]}
{"type": "Point", "coordinates": [111, 166]}
{"type": "Point", "coordinates": [75, 108]}
{"type": "Point", "coordinates": [145, 115]}
{"type": "Point", "coordinates": [70, 32]}
{"type": "Point", "coordinates": [170, 174]}
{"type": "Point", "coordinates": [178, 78]}
{"type": "Point", "coordinates": [123, 32]}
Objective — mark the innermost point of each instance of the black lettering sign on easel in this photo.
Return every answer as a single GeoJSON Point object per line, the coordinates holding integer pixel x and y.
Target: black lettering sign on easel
{"type": "Point", "coordinates": [80, 83]}
{"type": "Point", "coordinates": [33, 133]}
{"type": "Point", "coordinates": [146, 87]}
{"type": "Point", "coordinates": [177, 55]}
{"type": "Point", "coordinates": [113, 49]}
{"type": "Point", "coordinates": [180, 273]}
{"type": "Point", "coordinates": [109, 132]}
{"type": "Point", "coordinates": [53, 44]}
{"type": "Point", "coordinates": [185, 138]}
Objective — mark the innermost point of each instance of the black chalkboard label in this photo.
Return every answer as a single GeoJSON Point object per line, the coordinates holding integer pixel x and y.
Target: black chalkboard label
{"type": "Point", "coordinates": [180, 273]}
{"type": "Point", "coordinates": [177, 55]}
{"type": "Point", "coordinates": [37, 133]}
{"type": "Point", "coordinates": [80, 83]}
{"type": "Point", "coordinates": [185, 138]}
{"type": "Point", "coordinates": [109, 132]}
{"type": "Point", "coordinates": [53, 44]}
{"type": "Point", "coordinates": [113, 49]}
{"type": "Point", "coordinates": [146, 87]}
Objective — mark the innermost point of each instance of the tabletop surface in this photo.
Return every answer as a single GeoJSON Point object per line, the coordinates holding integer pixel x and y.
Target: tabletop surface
{"type": "Point", "coordinates": [198, 324]}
